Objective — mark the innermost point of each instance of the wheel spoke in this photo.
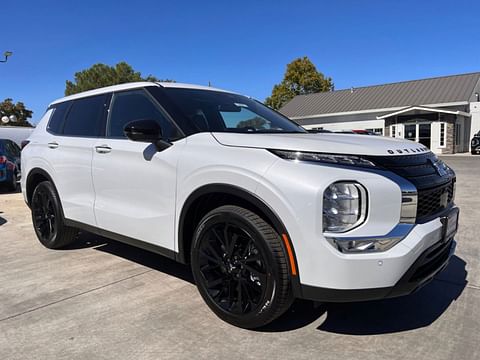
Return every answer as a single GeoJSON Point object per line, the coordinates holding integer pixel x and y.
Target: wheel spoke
{"type": "Point", "coordinates": [238, 303]}
{"type": "Point", "coordinates": [215, 282]}
{"type": "Point", "coordinates": [214, 259]}
{"type": "Point", "coordinates": [257, 273]}
{"type": "Point", "coordinates": [247, 293]}
{"type": "Point", "coordinates": [232, 268]}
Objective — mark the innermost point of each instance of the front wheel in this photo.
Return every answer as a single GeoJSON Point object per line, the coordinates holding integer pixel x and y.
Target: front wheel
{"type": "Point", "coordinates": [240, 267]}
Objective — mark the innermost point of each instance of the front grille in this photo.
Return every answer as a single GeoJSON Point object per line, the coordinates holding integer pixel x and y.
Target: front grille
{"type": "Point", "coordinates": [434, 200]}
{"type": "Point", "coordinates": [435, 188]}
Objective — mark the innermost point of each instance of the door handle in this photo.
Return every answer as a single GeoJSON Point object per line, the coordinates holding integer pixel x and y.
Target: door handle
{"type": "Point", "coordinates": [103, 149]}
{"type": "Point", "coordinates": [53, 145]}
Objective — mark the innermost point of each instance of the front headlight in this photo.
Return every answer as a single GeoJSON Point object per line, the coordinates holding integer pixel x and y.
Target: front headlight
{"type": "Point", "coordinates": [344, 206]}
{"type": "Point", "coordinates": [337, 159]}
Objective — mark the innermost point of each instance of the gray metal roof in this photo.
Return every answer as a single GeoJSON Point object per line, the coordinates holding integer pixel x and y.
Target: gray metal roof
{"type": "Point", "coordinates": [446, 89]}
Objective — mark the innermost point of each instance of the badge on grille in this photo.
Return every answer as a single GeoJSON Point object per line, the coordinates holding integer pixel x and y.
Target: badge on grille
{"type": "Point", "coordinates": [439, 167]}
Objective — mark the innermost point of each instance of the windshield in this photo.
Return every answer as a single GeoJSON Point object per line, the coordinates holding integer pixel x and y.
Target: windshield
{"type": "Point", "coordinates": [225, 112]}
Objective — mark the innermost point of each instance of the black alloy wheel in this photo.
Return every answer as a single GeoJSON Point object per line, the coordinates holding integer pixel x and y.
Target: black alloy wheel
{"type": "Point", "coordinates": [44, 215]}
{"type": "Point", "coordinates": [240, 267]}
{"type": "Point", "coordinates": [47, 218]}
{"type": "Point", "coordinates": [233, 268]}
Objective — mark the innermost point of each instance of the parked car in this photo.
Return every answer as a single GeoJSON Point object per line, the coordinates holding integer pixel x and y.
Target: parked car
{"type": "Point", "coordinates": [475, 145]}
{"type": "Point", "coordinates": [263, 211]}
{"type": "Point", "coordinates": [364, 132]}
{"type": "Point", "coordinates": [9, 164]}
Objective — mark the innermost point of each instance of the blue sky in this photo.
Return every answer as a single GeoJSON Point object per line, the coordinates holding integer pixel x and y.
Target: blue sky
{"type": "Point", "coordinates": [242, 46]}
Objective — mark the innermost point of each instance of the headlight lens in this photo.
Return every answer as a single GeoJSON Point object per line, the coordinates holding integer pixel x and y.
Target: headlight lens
{"type": "Point", "coordinates": [344, 206]}
{"type": "Point", "coordinates": [338, 159]}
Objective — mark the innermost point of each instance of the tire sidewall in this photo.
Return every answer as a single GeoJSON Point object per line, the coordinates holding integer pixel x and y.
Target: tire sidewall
{"type": "Point", "coordinates": [267, 303]}
{"type": "Point", "coordinates": [50, 190]}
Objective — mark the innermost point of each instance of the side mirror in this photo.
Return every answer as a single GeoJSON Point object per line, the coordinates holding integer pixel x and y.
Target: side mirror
{"type": "Point", "coordinates": [146, 131]}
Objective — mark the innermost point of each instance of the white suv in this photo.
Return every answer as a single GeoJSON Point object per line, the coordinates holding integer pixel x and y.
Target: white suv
{"type": "Point", "coordinates": [264, 211]}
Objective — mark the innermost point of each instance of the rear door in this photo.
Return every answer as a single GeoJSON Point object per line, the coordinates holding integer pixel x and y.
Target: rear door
{"type": "Point", "coordinates": [135, 184]}
{"type": "Point", "coordinates": [74, 129]}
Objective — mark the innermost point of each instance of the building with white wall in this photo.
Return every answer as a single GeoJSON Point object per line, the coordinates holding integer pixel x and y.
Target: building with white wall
{"type": "Point", "coordinates": [442, 113]}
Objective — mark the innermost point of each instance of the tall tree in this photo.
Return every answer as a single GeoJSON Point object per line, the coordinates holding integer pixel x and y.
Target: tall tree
{"type": "Point", "coordinates": [22, 114]}
{"type": "Point", "coordinates": [100, 75]}
{"type": "Point", "coordinates": [301, 77]}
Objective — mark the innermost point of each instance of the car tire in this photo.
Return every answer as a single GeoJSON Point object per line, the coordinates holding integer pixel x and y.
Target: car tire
{"type": "Point", "coordinates": [240, 267]}
{"type": "Point", "coordinates": [47, 218]}
{"type": "Point", "coordinates": [12, 184]}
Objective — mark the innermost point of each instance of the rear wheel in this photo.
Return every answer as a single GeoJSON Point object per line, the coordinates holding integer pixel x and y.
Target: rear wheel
{"type": "Point", "coordinates": [47, 218]}
{"type": "Point", "coordinates": [240, 268]}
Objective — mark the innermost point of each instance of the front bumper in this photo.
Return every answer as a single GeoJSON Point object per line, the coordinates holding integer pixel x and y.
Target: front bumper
{"type": "Point", "coordinates": [432, 260]}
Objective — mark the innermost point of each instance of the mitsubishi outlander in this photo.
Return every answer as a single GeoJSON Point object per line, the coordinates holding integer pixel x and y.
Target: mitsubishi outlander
{"type": "Point", "coordinates": [262, 210]}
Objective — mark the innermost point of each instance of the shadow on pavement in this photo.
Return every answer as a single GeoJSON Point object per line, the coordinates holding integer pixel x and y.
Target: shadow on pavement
{"type": "Point", "coordinates": [132, 253]}
{"type": "Point", "coordinates": [382, 316]}
{"type": "Point", "coordinates": [400, 314]}
{"type": "Point", "coordinates": [2, 220]}
{"type": "Point", "coordinates": [363, 318]}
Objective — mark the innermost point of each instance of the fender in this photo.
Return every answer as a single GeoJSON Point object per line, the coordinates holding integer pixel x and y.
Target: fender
{"type": "Point", "coordinates": [253, 199]}
{"type": "Point", "coordinates": [31, 175]}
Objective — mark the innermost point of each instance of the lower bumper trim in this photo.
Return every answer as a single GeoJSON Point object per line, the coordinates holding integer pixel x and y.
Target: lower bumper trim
{"type": "Point", "coordinates": [430, 263]}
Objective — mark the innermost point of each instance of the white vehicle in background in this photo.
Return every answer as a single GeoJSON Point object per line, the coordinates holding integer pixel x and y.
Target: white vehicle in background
{"type": "Point", "coordinates": [264, 211]}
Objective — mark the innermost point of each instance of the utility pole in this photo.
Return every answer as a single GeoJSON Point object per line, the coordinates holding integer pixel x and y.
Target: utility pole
{"type": "Point", "coordinates": [7, 54]}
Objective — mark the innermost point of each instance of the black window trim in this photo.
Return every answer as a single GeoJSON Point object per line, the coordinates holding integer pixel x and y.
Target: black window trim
{"type": "Point", "coordinates": [108, 98]}
{"type": "Point", "coordinates": [162, 110]}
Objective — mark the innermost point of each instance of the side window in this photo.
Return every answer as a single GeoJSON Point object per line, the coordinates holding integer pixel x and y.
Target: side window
{"type": "Point", "coordinates": [85, 117]}
{"type": "Point", "coordinates": [136, 105]}
{"type": "Point", "coordinates": [56, 120]}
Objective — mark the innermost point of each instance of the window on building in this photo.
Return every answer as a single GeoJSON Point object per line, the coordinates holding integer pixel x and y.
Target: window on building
{"type": "Point", "coordinates": [458, 132]}
{"type": "Point", "coordinates": [443, 134]}
{"type": "Point", "coordinates": [393, 131]}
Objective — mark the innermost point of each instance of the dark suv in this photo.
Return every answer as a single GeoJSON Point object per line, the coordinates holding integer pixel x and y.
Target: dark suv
{"type": "Point", "coordinates": [476, 144]}
{"type": "Point", "coordinates": [9, 163]}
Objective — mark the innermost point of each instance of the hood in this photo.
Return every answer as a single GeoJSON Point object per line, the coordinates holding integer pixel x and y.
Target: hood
{"type": "Point", "coordinates": [352, 144]}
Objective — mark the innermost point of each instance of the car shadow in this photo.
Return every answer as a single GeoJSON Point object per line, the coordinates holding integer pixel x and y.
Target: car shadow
{"type": "Point", "coordinates": [2, 220]}
{"type": "Point", "coordinates": [363, 318]}
{"type": "Point", "coordinates": [382, 316]}
{"type": "Point", "coordinates": [132, 253]}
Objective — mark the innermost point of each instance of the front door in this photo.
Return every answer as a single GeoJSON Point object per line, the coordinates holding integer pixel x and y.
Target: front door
{"type": "Point", "coordinates": [135, 185]}
{"type": "Point", "coordinates": [419, 132]}
{"type": "Point", "coordinates": [425, 134]}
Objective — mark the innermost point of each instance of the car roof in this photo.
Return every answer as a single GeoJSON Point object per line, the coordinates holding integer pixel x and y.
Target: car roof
{"type": "Point", "coordinates": [135, 85]}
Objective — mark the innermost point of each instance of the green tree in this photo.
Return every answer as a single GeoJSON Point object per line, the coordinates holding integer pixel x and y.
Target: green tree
{"type": "Point", "coordinates": [100, 75]}
{"type": "Point", "coordinates": [301, 77]}
{"type": "Point", "coordinates": [8, 108]}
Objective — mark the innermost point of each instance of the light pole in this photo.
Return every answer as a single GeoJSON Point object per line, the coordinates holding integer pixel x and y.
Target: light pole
{"type": "Point", "coordinates": [6, 54]}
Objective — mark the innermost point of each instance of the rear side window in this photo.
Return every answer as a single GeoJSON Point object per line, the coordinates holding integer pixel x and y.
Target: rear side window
{"type": "Point", "coordinates": [56, 120]}
{"type": "Point", "coordinates": [136, 105]}
{"type": "Point", "coordinates": [85, 117]}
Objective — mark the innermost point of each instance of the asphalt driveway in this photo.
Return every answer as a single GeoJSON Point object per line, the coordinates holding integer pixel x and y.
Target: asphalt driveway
{"type": "Point", "coordinates": [101, 299]}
